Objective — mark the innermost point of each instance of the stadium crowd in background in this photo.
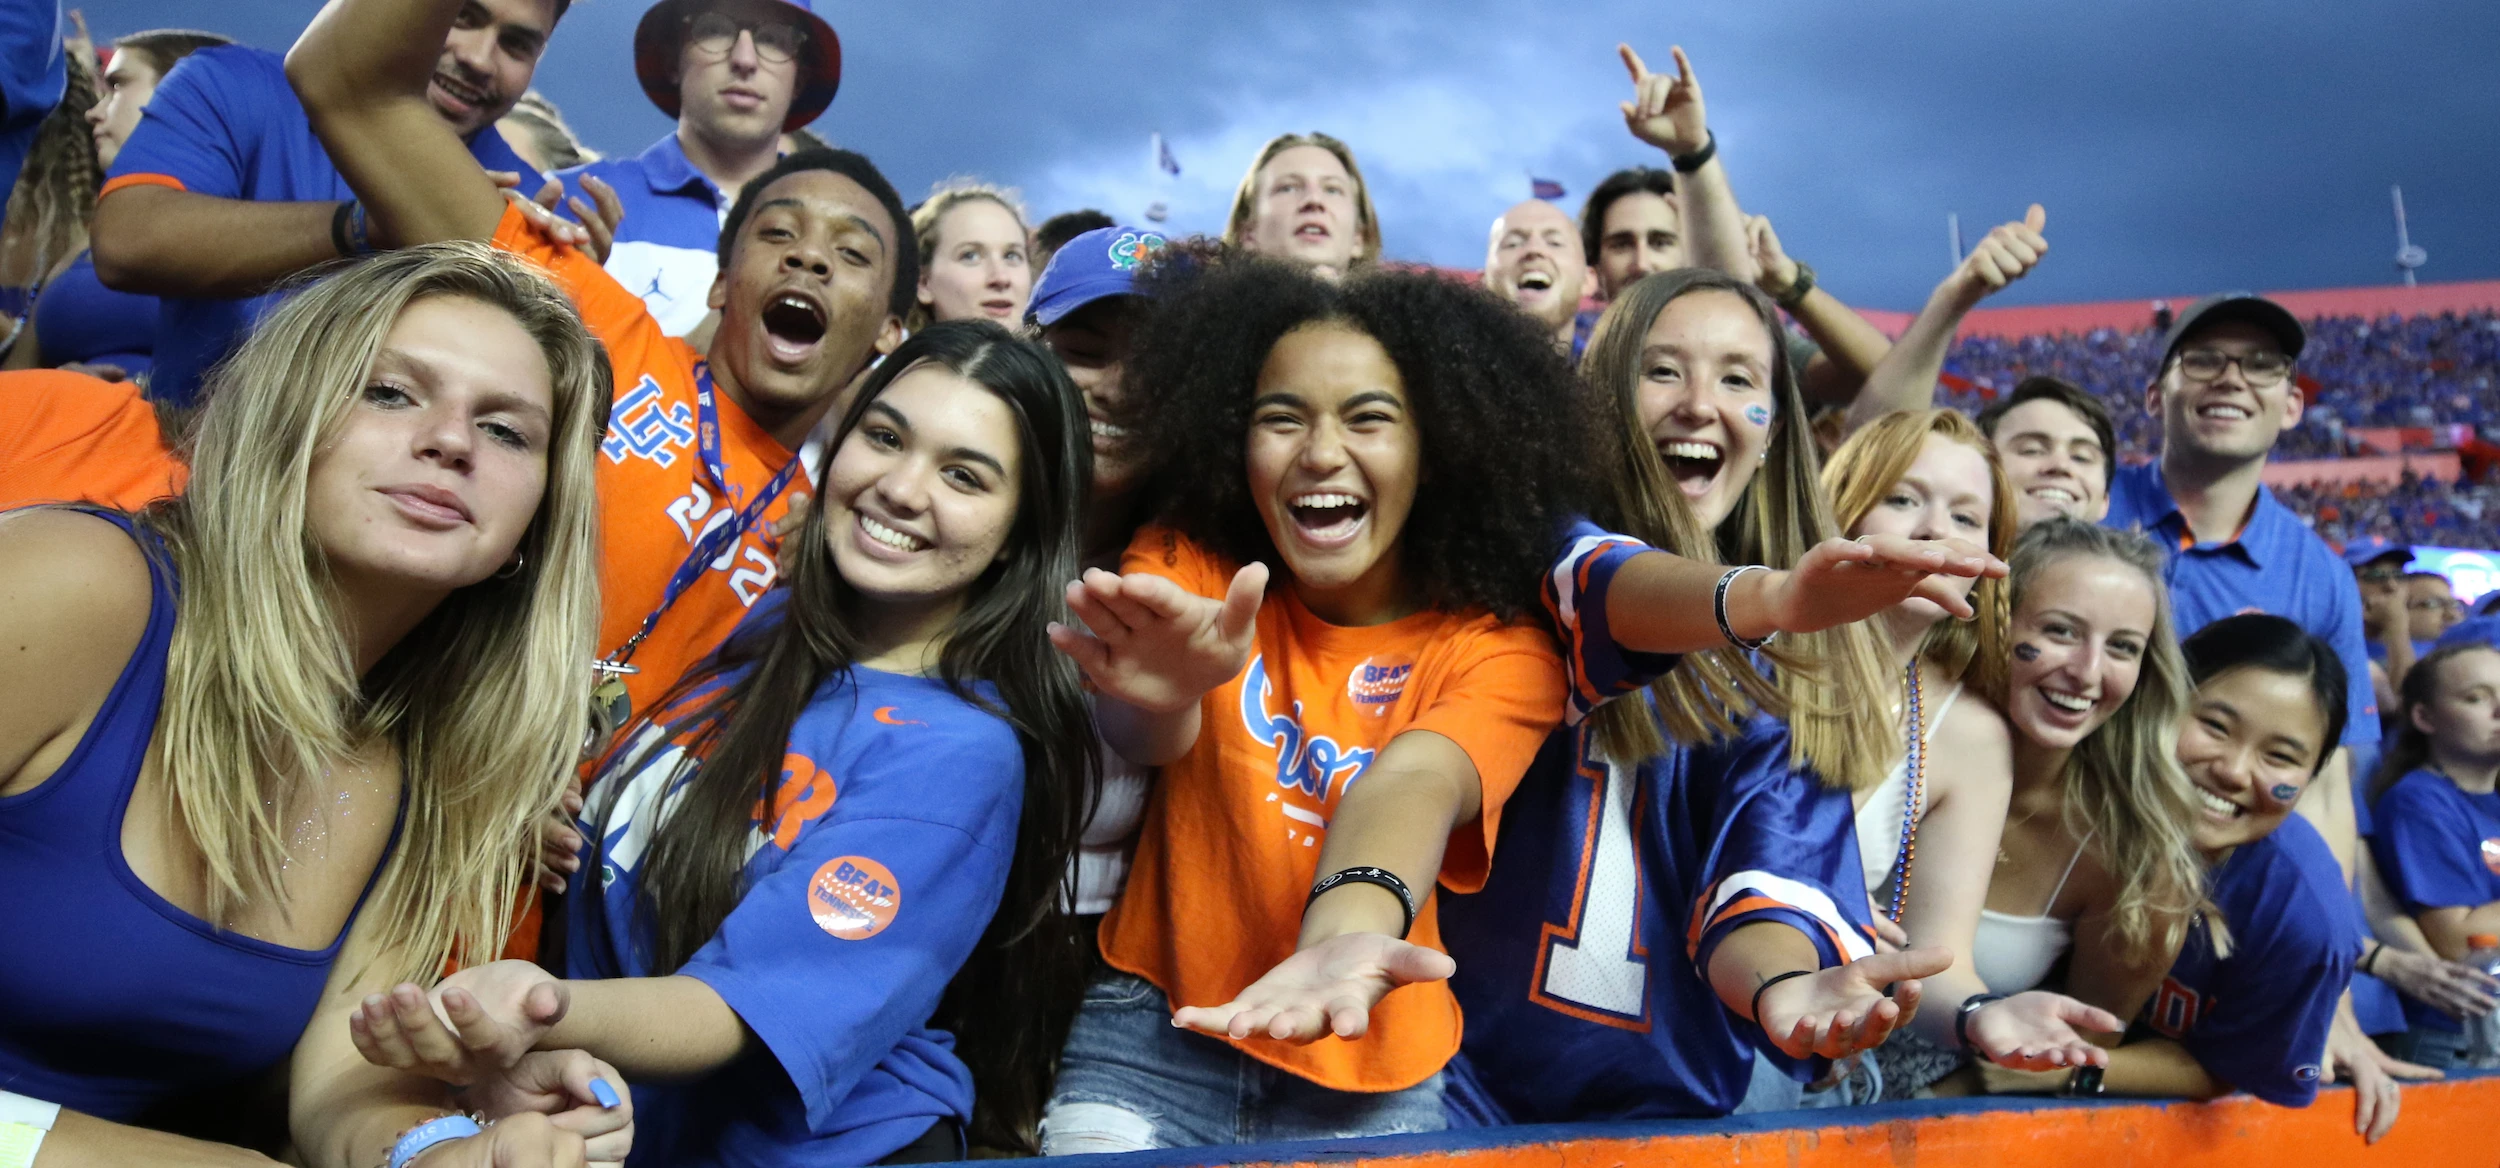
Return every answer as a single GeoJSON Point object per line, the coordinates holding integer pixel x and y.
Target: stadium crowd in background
{"type": "Point", "coordinates": [527, 656]}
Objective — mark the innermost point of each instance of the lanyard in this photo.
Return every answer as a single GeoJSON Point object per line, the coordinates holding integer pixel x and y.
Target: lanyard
{"type": "Point", "coordinates": [716, 538]}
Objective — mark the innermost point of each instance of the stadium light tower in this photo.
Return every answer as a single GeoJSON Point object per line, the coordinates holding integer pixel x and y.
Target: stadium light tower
{"type": "Point", "coordinates": [2408, 257]}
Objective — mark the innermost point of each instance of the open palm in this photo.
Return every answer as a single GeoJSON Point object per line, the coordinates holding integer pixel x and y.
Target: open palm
{"type": "Point", "coordinates": [1326, 989]}
{"type": "Point", "coordinates": [1155, 645]}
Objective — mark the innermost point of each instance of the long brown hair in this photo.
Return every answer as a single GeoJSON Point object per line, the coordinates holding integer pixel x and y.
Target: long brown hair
{"type": "Point", "coordinates": [2411, 749]}
{"type": "Point", "coordinates": [1030, 956]}
{"type": "Point", "coordinates": [1824, 681]}
{"type": "Point", "coordinates": [1869, 465]}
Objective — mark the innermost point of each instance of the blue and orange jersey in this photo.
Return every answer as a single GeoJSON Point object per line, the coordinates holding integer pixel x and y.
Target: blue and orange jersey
{"type": "Point", "coordinates": [1580, 964]}
{"type": "Point", "coordinates": [2439, 847]}
{"type": "Point", "coordinates": [2256, 1017]}
{"type": "Point", "coordinates": [1230, 842]}
{"type": "Point", "coordinates": [873, 868]}
{"type": "Point", "coordinates": [225, 123]}
{"type": "Point", "coordinates": [655, 497]}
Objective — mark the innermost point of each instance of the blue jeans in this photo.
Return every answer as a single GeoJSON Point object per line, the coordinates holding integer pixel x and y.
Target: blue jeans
{"type": "Point", "coordinates": [1129, 1080]}
{"type": "Point", "coordinates": [2443, 1049]}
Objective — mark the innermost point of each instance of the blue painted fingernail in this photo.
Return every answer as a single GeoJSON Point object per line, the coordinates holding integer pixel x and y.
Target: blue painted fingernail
{"type": "Point", "coordinates": [606, 1095]}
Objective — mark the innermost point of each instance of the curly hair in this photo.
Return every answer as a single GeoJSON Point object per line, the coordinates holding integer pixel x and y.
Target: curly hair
{"type": "Point", "coordinates": [54, 200]}
{"type": "Point", "coordinates": [1502, 434]}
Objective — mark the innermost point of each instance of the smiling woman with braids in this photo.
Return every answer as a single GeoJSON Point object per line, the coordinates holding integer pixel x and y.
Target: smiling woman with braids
{"type": "Point", "coordinates": [1398, 452]}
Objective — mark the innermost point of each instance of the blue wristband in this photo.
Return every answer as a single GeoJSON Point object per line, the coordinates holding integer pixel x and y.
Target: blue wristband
{"type": "Point", "coordinates": [430, 1133]}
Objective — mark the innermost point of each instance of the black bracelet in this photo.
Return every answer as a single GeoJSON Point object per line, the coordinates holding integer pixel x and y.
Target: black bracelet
{"type": "Point", "coordinates": [1961, 1021]}
{"type": "Point", "coordinates": [1379, 876]}
{"type": "Point", "coordinates": [2369, 961]}
{"type": "Point", "coordinates": [2082, 1083]}
{"type": "Point", "coordinates": [1768, 983]}
{"type": "Point", "coordinates": [1799, 288]}
{"type": "Point", "coordinates": [338, 228]}
{"type": "Point", "coordinates": [1718, 609]}
{"type": "Point", "coordinates": [1688, 163]}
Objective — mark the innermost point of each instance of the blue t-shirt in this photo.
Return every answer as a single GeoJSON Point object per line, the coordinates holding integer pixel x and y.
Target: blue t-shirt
{"type": "Point", "coordinates": [225, 123]}
{"type": "Point", "coordinates": [2275, 564]}
{"type": "Point", "coordinates": [667, 247]}
{"type": "Point", "coordinates": [1580, 963]}
{"type": "Point", "coordinates": [34, 70]}
{"type": "Point", "coordinates": [2438, 847]}
{"type": "Point", "coordinates": [873, 875]}
{"type": "Point", "coordinates": [78, 319]}
{"type": "Point", "coordinates": [2257, 1019]}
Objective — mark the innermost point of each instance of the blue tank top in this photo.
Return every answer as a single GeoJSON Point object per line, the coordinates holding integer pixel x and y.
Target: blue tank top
{"type": "Point", "coordinates": [112, 999]}
{"type": "Point", "coordinates": [77, 318]}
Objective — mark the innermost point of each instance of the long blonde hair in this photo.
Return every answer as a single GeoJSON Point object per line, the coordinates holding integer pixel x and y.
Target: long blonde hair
{"type": "Point", "coordinates": [1246, 196]}
{"type": "Point", "coordinates": [1869, 465]}
{"type": "Point", "coordinates": [1825, 681]}
{"type": "Point", "coordinates": [2122, 785]}
{"type": "Point", "coordinates": [930, 215]}
{"type": "Point", "coordinates": [486, 699]}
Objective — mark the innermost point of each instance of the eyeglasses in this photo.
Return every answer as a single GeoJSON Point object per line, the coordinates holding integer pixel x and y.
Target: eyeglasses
{"type": "Point", "coordinates": [2263, 367]}
{"type": "Point", "coordinates": [714, 34]}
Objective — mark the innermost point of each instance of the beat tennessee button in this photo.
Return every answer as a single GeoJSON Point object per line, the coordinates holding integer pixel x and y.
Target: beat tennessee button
{"type": "Point", "coordinates": [853, 897]}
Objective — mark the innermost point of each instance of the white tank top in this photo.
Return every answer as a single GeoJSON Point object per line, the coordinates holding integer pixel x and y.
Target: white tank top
{"type": "Point", "coordinates": [2013, 954]}
{"type": "Point", "coordinates": [1879, 822]}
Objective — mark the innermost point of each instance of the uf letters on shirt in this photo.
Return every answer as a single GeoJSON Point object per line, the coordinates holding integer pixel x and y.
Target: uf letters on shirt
{"type": "Point", "coordinates": [645, 426]}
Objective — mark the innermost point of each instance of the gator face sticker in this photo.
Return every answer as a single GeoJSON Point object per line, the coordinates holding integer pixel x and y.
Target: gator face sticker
{"type": "Point", "coordinates": [2026, 651]}
{"type": "Point", "coordinates": [1758, 414]}
{"type": "Point", "coordinates": [853, 898]}
{"type": "Point", "coordinates": [2285, 792]}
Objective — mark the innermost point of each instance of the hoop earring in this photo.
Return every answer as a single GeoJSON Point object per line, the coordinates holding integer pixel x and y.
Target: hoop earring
{"type": "Point", "coordinates": [508, 571]}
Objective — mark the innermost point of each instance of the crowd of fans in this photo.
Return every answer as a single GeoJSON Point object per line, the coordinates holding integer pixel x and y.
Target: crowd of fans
{"type": "Point", "coordinates": [525, 657]}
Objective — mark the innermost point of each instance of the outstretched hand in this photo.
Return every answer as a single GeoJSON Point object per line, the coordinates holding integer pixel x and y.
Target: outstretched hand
{"type": "Point", "coordinates": [2003, 256]}
{"type": "Point", "coordinates": [1154, 645]}
{"type": "Point", "coordinates": [475, 1025]}
{"type": "Point", "coordinates": [2377, 1096]}
{"type": "Point", "coordinates": [1773, 271]}
{"type": "Point", "coordinates": [2452, 987]}
{"type": "Point", "coordinates": [1665, 110]}
{"type": "Point", "coordinates": [1840, 1011]}
{"type": "Point", "coordinates": [1843, 580]}
{"type": "Point", "coordinates": [1329, 988]}
{"type": "Point", "coordinates": [2040, 1031]}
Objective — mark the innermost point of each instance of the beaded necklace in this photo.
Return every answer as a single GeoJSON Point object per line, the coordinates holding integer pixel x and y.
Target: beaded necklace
{"type": "Point", "coordinates": [1916, 758]}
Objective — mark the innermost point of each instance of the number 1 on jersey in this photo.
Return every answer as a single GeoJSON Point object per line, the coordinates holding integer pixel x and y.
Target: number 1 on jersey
{"type": "Point", "coordinates": [1594, 967]}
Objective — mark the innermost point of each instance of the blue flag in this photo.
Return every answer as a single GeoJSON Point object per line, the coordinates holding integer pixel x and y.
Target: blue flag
{"type": "Point", "coordinates": [1544, 188]}
{"type": "Point", "coordinates": [1163, 157]}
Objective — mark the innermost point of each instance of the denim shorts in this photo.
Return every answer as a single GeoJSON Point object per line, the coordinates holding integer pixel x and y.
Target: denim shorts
{"type": "Point", "coordinates": [1130, 1080]}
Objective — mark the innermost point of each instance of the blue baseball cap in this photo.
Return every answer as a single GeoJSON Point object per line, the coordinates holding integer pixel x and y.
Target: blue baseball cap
{"type": "Point", "coordinates": [2481, 630]}
{"type": "Point", "coordinates": [1098, 264]}
{"type": "Point", "coordinates": [2372, 549]}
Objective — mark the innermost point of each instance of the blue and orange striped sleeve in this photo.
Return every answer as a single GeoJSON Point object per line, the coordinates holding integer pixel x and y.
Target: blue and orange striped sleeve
{"type": "Point", "coordinates": [1596, 666]}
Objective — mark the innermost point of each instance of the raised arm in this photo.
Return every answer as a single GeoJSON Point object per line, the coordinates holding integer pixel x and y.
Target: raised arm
{"type": "Point", "coordinates": [1906, 378]}
{"type": "Point", "coordinates": [361, 69]}
{"type": "Point", "coordinates": [1666, 111]}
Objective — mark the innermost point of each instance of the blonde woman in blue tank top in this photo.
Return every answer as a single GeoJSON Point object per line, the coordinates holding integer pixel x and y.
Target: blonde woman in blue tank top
{"type": "Point", "coordinates": [273, 746]}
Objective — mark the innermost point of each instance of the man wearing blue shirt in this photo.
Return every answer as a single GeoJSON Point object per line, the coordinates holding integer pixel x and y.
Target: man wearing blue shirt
{"type": "Point", "coordinates": [736, 74]}
{"type": "Point", "coordinates": [223, 192]}
{"type": "Point", "coordinates": [2224, 390]}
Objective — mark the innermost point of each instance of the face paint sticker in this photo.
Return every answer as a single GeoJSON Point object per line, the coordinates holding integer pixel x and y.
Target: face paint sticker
{"type": "Point", "coordinates": [2026, 651]}
{"type": "Point", "coordinates": [2285, 792]}
{"type": "Point", "coordinates": [1758, 414]}
{"type": "Point", "coordinates": [853, 897]}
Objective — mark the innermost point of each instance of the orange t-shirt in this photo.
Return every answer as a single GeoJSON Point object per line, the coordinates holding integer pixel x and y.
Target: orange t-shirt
{"type": "Point", "coordinates": [73, 438]}
{"type": "Point", "coordinates": [655, 498]}
{"type": "Point", "coordinates": [1231, 838]}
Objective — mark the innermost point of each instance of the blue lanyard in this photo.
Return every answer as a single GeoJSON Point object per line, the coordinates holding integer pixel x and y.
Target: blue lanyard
{"type": "Point", "coordinates": [714, 540]}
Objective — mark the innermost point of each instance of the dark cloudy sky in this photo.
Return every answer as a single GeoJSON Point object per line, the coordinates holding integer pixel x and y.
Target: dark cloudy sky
{"type": "Point", "coordinates": [2179, 145]}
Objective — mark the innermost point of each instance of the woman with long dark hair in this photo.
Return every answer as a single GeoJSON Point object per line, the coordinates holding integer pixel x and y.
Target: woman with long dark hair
{"type": "Point", "coordinates": [870, 792]}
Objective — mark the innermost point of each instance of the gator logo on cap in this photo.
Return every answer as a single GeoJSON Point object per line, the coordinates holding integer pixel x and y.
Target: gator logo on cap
{"type": "Point", "coordinates": [1133, 248]}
